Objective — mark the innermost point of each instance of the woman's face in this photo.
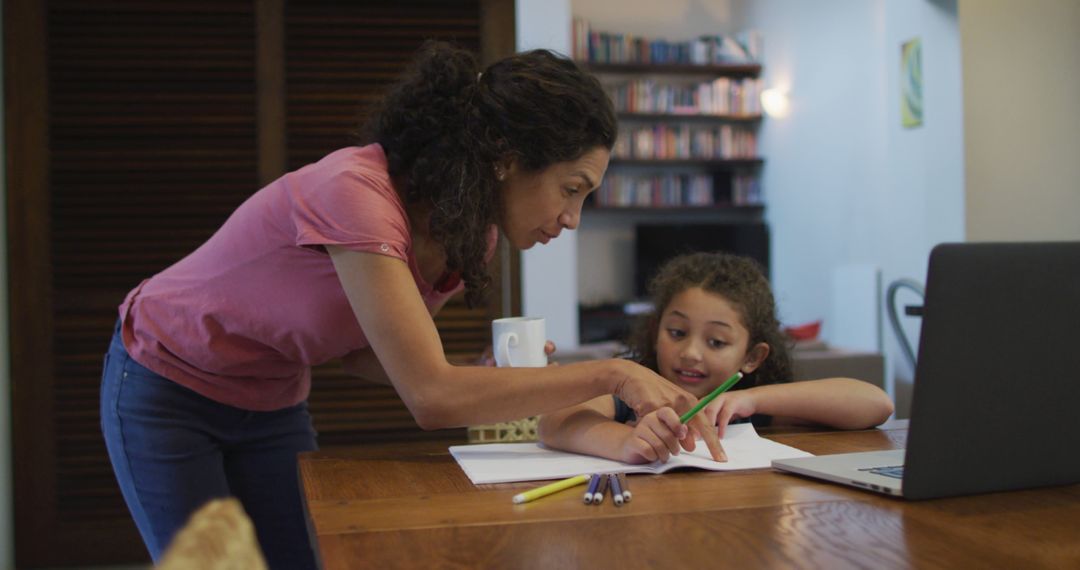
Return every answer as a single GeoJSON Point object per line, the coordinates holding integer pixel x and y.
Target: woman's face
{"type": "Point", "coordinates": [537, 206]}
{"type": "Point", "coordinates": [702, 341]}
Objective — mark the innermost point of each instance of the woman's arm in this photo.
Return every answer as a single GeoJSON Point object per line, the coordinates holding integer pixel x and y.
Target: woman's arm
{"type": "Point", "coordinates": [402, 334]}
{"type": "Point", "coordinates": [842, 403]}
{"type": "Point", "coordinates": [364, 364]}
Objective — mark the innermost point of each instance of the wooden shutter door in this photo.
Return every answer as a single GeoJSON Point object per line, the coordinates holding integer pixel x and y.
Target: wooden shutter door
{"type": "Point", "coordinates": [339, 56]}
{"type": "Point", "coordinates": [133, 129]}
{"type": "Point", "coordinates": [147, 133]}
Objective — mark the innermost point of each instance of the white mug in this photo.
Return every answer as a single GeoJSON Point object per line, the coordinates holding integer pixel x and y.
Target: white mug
{"type": "Point", "coordinates": [519, 342]}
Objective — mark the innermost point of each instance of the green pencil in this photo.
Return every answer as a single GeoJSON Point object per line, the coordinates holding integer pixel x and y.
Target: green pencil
{"type": "Point", "coordinates": [712, 396]}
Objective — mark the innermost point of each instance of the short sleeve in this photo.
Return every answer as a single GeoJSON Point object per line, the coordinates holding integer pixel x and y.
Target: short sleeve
{"type": "Point", "coordinates": [351, 205]}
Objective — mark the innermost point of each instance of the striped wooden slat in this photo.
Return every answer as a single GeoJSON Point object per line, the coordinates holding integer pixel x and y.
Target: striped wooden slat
{"type": "Point", "coordinates": [153, 138]}
{"type": "Point", "coordinates": [338, 59]}
{"type": "Point", "coordinates": [340, 56]}
{"type": "Point", "coordinates": [151, 131]}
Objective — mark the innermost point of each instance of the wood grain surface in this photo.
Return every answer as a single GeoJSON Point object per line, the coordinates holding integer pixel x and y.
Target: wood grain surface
{"type": "Point", "coordinates": [411, 506]}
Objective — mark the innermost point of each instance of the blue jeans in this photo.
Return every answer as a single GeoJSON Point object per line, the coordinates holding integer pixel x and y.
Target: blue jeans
{"type": "Point", "coordinates": [173, 450]}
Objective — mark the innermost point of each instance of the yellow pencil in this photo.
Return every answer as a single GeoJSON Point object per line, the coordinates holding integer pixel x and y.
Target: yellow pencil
{"type": "Point", "coordinates": [550, 488]}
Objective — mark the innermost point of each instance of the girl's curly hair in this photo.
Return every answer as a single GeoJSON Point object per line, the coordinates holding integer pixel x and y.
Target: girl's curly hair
{"type": "Point", "coordinates": [444, 125]}
{"type": "Point", "coordinates": [739, 280]}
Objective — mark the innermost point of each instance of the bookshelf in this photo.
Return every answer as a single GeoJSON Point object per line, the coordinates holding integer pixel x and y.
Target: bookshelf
{"type": "Point", "coordinates": [714, 69]}
{"type": "Point", "coordinates": [688, 136]}
{"type": "Point", "coordinates": [688, 117]}
{"type": "Point", "coordinates": [687, 154]}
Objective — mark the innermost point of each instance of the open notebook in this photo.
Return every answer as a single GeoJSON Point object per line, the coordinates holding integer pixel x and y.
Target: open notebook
{"type": "Point", "coordinates": [511, 462]}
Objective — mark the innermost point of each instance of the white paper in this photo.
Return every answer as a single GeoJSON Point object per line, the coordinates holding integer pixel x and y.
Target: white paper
{"type": "Point", "coordinates": [511, 462]}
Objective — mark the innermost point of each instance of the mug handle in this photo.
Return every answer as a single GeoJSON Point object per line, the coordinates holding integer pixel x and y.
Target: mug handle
{"type": "Point", "coordinates": [506, 340]}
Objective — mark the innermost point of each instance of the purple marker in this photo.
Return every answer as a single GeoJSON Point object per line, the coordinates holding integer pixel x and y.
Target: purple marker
{"type": "Point", "coordinates": [598, 497]}
{"type": "Point", "coordinates": [594, 482]}
{"type": "Point", "coordinates": [616, 490]}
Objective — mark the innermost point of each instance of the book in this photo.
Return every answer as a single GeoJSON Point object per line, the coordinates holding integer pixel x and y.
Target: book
{"type": "Point", "coordinates": [513, 462]}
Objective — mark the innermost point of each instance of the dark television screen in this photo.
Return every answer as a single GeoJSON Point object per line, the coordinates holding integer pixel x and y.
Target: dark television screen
{"type": "Point", "coordinates": [656, 243]}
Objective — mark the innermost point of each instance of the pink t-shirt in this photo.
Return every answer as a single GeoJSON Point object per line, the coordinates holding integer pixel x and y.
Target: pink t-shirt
{"type": "Point", "coordinates": [242, 319]}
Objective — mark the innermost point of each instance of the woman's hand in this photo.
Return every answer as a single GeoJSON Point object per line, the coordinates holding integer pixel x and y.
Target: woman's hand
{"type": "Point", "coordinates": [486, 358]}
{"type": "Point", "coordinates": [656, 437]}
{"type": "Point", "coordinates": [549, 349]}
{"type": "Point", "coordinates": [729, 406]}
{"type": "Point", "coordinates": [645, 391]}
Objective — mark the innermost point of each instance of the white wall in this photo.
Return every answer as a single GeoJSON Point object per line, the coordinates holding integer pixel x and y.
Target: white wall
{"type": "Point", "coordinates": [549, 272]}
{"type": "Point", "coordinates": [924, 165]}
{"type": "Point", "coordinates": [877, 194]}
{"type": "Point", "coordinates": [7, 538]}
{"type": "Point", "coordinates": [1022, 87]}
{"type": "Point", "coordinates": [846, 186]}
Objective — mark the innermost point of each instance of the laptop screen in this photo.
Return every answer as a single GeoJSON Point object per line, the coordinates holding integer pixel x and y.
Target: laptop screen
{"type": "Point", "coordinates": [997, 383]}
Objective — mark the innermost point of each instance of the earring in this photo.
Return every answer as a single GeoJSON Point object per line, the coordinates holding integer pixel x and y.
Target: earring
{"type": "Point", "coordinates": [499, 174]}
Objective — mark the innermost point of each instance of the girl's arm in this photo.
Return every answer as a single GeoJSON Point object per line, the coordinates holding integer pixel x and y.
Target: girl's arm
{"type": "Point", "coordinates": [587, 428]}
{"type": "Point", "coordinates": [388, 307]}
{"type": "Point", "coordinates": [842, 403]}
{"type": "Point", "coordinates": [590, 428]}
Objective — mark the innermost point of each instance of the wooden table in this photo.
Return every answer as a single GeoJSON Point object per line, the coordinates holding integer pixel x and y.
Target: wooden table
{"type": "Point", "coordinates": [410, 506]}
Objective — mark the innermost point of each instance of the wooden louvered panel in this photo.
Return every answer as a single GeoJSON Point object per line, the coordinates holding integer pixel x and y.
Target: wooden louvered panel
{"type": "Point", "coordinates": [152, 133]}
{"type": "Point", "coordinates": [86, 488]}
{"type": "Point", "coordinates": [151, 145]}
{"type": "Point", "coordinates": [465, 332]}
{"type": "Point", "coordinates": [339, 57]}
{"type": "Point", "coordinates": [134, 129]}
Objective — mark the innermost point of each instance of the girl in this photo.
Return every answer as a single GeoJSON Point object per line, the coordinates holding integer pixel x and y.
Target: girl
{"type": "Point", "coordinates": [714, 316]}
{"type": "Point", "coordinates": [205, 382]}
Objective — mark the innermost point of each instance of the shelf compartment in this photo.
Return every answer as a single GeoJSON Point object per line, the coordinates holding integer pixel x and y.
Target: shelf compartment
{"type": "Point", "coordinates": [710, 163]}
{"type": "Point", "coordinates": [696, 117]}
{"type": "Point", "coordinates": [714, 70]}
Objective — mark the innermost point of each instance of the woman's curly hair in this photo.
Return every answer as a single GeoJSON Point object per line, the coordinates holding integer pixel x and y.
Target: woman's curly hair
{"type": "Point", "coordinates": [739, 280]}
{"type": "Point", "coordinates": [445, 125]}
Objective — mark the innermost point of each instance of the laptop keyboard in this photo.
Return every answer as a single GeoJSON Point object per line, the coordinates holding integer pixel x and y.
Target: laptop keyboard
{"type": "Point", "coordinates": [895, 471]}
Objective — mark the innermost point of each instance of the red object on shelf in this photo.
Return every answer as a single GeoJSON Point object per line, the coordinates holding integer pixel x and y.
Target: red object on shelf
{"type": "Point", "coordinates": [808, 331]}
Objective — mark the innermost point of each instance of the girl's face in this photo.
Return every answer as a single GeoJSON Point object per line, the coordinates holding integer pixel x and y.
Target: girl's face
{"type": "Point", "coordinates": [702, 341]}
{"type": "Point", "coordinates": [537, 206]}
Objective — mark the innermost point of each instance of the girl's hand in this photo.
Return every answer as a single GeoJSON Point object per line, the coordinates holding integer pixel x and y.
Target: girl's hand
{"type": "Point", "coordinates": [729, 406]}
{"type": "Point", "coordinates": [646, 391]}
{"type": "Point", "coordinates": [655, 437]}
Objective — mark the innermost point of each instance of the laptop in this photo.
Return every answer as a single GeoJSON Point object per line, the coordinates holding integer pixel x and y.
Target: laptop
{"type": "Point", "coordinates": [997, 380]}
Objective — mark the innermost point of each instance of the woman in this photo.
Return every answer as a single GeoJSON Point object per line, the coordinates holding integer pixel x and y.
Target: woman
{"type": "Point", "coordinates": [205, 382]}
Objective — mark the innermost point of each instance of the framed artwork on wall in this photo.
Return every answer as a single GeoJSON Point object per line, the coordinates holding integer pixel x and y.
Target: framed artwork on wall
{"type": "Point", "coordinates": [911, 98]}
